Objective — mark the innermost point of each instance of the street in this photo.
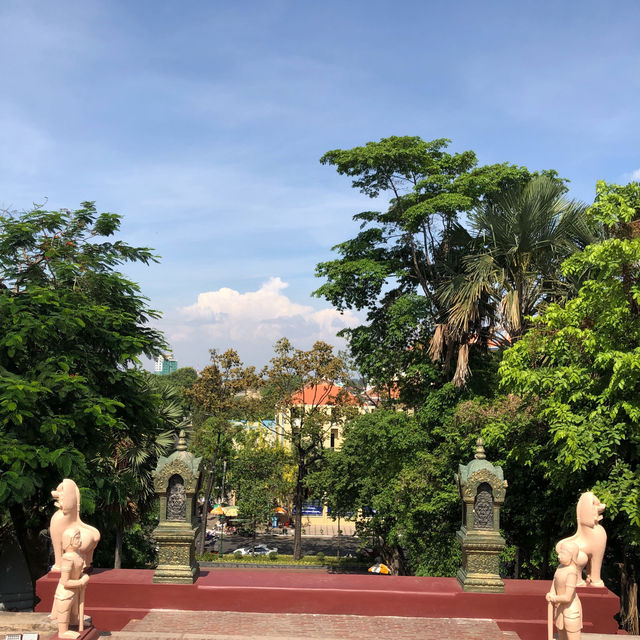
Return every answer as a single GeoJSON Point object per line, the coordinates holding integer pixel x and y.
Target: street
{"type": "Point", "coordinates": [311, 545]}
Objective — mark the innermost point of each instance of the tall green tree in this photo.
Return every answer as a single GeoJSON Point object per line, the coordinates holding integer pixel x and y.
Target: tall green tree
{"type": "Point", "coordinates": [224, 393]}
{"type": "Point", "coordinates": [71, 330]}
{"type": "Point", "coordinates": [521, 237]}
{"type": "Point", "coordinates": [580, 367]}
{"type": "Point", "coordinates": [259, 477]}
{"type": "Point", "coordinates": [303, 386]}
{"type": "Point", "coordinates": [395, 267]}
{"type": "Point", "coordinates": [394, 475]}
{"type": "Point", "coordinates": [123, 474]}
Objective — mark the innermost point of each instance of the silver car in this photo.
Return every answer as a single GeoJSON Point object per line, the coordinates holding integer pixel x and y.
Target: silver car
{"type": "Point", "coordinates": [258, 550]}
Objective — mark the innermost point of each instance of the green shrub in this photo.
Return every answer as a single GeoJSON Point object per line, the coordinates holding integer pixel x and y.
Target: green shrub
{"type": "Point", "coordinates": [320, 557]}
{"type": "Point", "coordinates": [273, 555]}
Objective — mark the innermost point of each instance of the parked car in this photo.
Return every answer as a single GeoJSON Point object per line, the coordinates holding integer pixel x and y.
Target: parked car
{"type": "Point", "coordinates": [259, 550]}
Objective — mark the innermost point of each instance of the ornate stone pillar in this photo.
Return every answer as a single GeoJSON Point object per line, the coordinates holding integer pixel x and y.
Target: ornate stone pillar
{"type": "Point", "coordinates": [482, 488]}
{"type": "Point", "coordinates": [176, 482]}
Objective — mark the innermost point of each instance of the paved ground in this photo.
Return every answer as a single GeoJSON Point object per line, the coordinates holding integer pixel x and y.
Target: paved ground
{"type": "Point", "coordinates": [210, 625]}
{"type": "Point", "coordinates": [311, 545]}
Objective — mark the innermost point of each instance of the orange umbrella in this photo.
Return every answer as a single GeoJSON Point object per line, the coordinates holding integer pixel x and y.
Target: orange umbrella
{"type": "Point", "coordinates": [280, 510]}
{"type": "Point", "coordinates": [379, 568]}
{"type": "Point", "coordinates": [217, 510]}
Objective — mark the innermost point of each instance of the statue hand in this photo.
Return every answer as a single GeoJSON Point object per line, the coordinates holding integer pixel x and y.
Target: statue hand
{"type": "Point", "coordinates": [549, 597]}
{"type": "Point", "coordinates": [84, 579]}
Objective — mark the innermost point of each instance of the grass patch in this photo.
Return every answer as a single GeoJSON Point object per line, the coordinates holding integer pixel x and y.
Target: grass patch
{"type": "Point", "coordinates": [310, 561]}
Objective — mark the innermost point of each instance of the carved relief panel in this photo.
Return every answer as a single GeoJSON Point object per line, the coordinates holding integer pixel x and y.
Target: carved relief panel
{"type": "Point", "coordinates": [176, 499]}
{"type": "Point", "coordinates": [483, 508]}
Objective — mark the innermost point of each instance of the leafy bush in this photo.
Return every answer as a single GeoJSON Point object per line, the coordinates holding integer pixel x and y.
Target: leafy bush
{"type": "Point", "coordinates": [273, 555]}
{"type": "Point", "coordinates": [320, 557]}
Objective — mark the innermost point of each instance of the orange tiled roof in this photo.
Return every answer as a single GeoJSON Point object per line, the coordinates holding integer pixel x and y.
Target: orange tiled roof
{"type": "Point", "coordinates": [321, 394]}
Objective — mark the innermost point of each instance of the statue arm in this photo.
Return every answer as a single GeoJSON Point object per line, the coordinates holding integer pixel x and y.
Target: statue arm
{"type": "Point", "coordinates": [551, 595]}
{"type": "Point", "coordinates": [67, 581]}
{"type": "Point", "coordinates": [569, 590]}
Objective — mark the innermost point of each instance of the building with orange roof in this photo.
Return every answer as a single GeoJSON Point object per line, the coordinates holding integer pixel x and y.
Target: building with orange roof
{"type": "Point", "coordinates": [328, 405]}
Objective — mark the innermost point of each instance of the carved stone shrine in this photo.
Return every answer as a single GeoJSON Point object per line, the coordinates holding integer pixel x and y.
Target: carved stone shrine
{"type": "Point", "coordinates": [176, 482]}
{"type": "Point", "coordinates": [482, 488]}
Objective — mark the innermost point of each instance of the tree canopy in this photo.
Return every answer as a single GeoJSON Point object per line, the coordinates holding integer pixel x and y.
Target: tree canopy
{"type": "Point", "coordinates": [71, 330]}
{"type": "Point", "coordinates": [404, 260]}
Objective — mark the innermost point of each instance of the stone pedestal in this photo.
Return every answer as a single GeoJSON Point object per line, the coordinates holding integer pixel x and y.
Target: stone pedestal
{"type": "Point", "coordinates": [177, 481]}
{"type": "Point", "coordinates": [482, 487]}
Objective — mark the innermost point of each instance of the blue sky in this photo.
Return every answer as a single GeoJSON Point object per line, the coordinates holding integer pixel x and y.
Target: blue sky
{"type": "Point", "coordinates": [202, 123]}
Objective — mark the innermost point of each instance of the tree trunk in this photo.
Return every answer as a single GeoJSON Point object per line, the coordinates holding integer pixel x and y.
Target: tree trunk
{"type": "Point", "coordinates": [394, 558]}
{"type": "Point", "coordinates": [33, 548]}
{"type": "Point", "coordinates": [297, 504]}
{"type": "Point", "coordinates": [117, 558]}
{"type": "Point", "coordinates": [629, 597]}
{"type": "Point", "coordinates": [253, 539]}
{"type": "Point", "coordinates": [546, 551]}
{"type": "Point", "coordinates": [205, 509]}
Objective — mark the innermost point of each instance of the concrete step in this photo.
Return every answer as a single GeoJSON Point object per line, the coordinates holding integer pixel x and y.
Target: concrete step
{"type": "Point", "coordinates": [605, 636]}
{"type": "Point", "coordinates": [227, 625]}
{"type": "Point", "coordinates": [12, 622]}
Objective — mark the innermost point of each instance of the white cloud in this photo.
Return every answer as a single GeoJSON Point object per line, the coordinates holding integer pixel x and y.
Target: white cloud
{"type": "Point", "coordinates": [635, 175]}
{"type": "Point", "coordinates": [251, 322]}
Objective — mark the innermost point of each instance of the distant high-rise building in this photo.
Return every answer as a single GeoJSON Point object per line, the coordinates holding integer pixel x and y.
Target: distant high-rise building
{"type": "Point", "coordinates": [165, 364]}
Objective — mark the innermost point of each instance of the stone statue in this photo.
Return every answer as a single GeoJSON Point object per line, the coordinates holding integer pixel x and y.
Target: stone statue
{"type": "Point", "coordinates": [482, 488]}
{"type": "Point", "coordinates": [68, 601]}
{"type": "Point", "coordinates": [564, 604]}
{"type": "Point", "coordinates": [67, 499]}
{"type": "Point", "coordinates": [176, 482]}
{"type": "Point", "coordinates": [591, 539]}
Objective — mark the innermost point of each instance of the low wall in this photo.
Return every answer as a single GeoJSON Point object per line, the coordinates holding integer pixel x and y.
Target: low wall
{"type": "Point", "coordinates": [116, 596]}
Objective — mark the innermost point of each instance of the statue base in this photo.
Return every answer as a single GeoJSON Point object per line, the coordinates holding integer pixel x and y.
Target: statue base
{"type": "Point", "coordinates": [90, 633]}
{"type": "Point", "coordinates": [480, 571]}
{"type": "Point", "coordinates": [176, 553]}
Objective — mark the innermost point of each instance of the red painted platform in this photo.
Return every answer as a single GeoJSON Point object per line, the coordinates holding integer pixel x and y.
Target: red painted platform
{"type": "Point", "coordinates": [116, 596]}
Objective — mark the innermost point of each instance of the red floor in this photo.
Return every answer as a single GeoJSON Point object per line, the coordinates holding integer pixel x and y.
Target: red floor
{"type": "Point", "coordinates": [116, 596]}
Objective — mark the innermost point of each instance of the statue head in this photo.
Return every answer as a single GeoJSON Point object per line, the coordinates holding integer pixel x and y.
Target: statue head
{"type": "Point", "coordinates": [589, 510]}
{"type": "Point", "coordinates": [71, 539]}
{"type": "Point", "coordinates": [567, 552]}
{"type": "Point", "coordinates": [67, 497]}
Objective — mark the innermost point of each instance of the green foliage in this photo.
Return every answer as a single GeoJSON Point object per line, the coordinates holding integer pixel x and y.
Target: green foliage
{"type": "Point", "coordinates": [398, 265]}
{"type": "Point", "coordinates": [138, 545]}
{"type": "Point", "coordinates": [258, 477]}
{"type": "Point", "coordinates": [522, 236]}
{"type": "Point", "coordinates": [397, 471]}
{"type": "Point", "coordinates": [71, 330]}
{"type": "Point", "coordinates": [305, 425]}
{"type": "Point", "coordinates": [284, 560]}
{"type": "Point", "coordinates": [578, 369]}
{"type": "Point", "coordinates": [181, 380]}
{"type": "Point", "coordinates": [222, 394]}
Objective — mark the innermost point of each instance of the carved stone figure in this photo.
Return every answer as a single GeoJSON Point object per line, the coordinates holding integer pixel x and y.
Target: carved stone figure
{"type": "Point", "coordinates": [67, 499]}
{"type": "Point", "coordinates": [68, 601]}
{"type": "Point", "coordinates": [591, 539]}
{"type": "Point", "coordinates": [564, 605]}
{"type": "Point", "coordinates": [483, 507]}
{"type": "Point", "coordinates": [176, 500]}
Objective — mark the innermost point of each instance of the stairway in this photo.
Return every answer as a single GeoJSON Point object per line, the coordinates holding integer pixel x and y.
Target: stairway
{"type": "Point", "coordinates": [227, 625]}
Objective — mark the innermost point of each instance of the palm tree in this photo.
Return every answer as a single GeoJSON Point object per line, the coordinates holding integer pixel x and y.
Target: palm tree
{"type": "Point", "coordinates": [127, 470]}
{"type": "Point", "coordinates": [520, 240]}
